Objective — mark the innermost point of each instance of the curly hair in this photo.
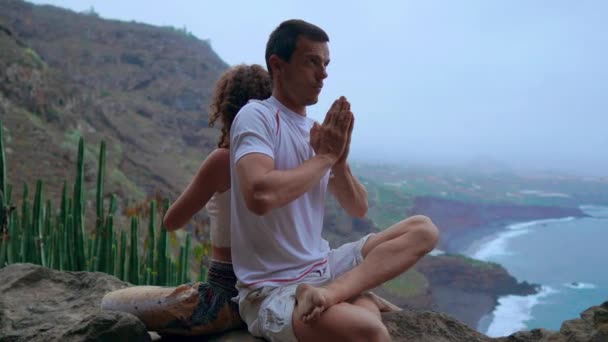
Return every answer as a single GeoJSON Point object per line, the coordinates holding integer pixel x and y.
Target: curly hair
{"type": "Point", "coordinates": [232, 91]}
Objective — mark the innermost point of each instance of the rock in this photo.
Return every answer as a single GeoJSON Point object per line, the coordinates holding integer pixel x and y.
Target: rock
{"type": "Point", "coordinates": [108, 326]}
{"type": "Point", "coordinates": [592, 326]}
{"type": "Point", "coordinates": [535, 335]}
{"type": "Point", "coordinates": [429, 326]}
{"type": "Point", "coordinates": [40, 304]}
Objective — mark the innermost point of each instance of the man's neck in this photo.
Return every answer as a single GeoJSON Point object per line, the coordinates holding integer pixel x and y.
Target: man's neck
{"type": "Point", "coordinates": [288, 102]}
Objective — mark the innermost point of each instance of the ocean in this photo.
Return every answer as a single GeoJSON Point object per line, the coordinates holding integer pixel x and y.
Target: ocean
{"type": "Point", "coordinates": [568, 257]}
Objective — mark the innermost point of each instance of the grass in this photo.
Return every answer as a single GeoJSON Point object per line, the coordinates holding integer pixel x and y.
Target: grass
{"type": "Point", "coordinates": [37, 62]}
{"type": "Point", "coordinates": [130, 187]}
{"type": "Point", "coordinates": [411, 283]}
{"type": "Point", "coordinates": [390, 204]}
{"type": "Point", "coordinates": [482, 265]}
{"type": "Point", "coordinates": [35, 119]}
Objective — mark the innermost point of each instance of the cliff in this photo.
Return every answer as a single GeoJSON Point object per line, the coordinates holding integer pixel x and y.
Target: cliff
{"type": "Point", "coordinates": [145, 90]}
{"type": "Point", "coordinates": [39, 304]}
{"type": "Point", "coordinates": [456, 220]}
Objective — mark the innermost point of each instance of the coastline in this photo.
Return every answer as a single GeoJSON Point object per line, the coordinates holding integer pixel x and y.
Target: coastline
{"type": "Point", "coordinates": [466, 227]}
{"type": "Point", "coordinates": [511, 312]}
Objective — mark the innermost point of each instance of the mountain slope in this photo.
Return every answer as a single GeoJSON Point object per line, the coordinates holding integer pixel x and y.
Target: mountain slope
{"type": "Point", "coordinates": [143, 89]}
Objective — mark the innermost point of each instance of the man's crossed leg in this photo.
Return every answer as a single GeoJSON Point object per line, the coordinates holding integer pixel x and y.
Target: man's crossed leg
{"type": "Point", "coordinates": [338, 310]}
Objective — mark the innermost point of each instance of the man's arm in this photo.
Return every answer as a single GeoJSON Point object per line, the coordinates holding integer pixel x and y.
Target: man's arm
{"type": "Point", "coordinates": [265, 188]}
{"type": "Point", "coordinates": [349, 192]}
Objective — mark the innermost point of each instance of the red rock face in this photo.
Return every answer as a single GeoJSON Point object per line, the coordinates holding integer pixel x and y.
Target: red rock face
{"type": "Point", "coordinates": [457, 218]}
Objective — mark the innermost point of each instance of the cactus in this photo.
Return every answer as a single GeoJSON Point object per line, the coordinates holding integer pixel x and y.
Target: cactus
{"type": "Point", "coordinates": [99, 223]}
{"type": "Point", "coordinates": [78, 210]}
{"type": "Point", "coordinates": [151, 245]}
{"type": "Point", "coordinates": [3, 183]}
{"type": "Point", "coordinates": [25, 228]}
{"type": "Point", "coordinates": [37, 226]}
{"type": "Point", "coordinates": [59, 241]}
{"type": "Point", "coordinates": [186, 262]}
{"type": "Point", "coordinates": [133, 277]}
{"type": "Point", "coordinates": [122, 259]}
{"type": "Point", "coordinates": [162, 267]}
{"type": "Point", "coordinates": [100, 183]}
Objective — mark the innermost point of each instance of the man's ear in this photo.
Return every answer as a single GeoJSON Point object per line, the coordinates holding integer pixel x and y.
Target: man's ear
{"type": "Point", "coordinates": [275, 64]}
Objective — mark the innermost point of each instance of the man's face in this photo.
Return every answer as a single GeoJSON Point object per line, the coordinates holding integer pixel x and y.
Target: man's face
{"type": "Point", "coordinates": [303, 76]}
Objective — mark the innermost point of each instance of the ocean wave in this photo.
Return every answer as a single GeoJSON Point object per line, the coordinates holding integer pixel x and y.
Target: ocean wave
{"type": "Point", "coordinates": [497, 246]}
{"type": "Point", "coordinates": [436, 252]}
{"type": "Point", "coordinates": [526, 224]}
{"type": "Point", "coordinates": [579, 286]}
{"type": "Point", "coordinates": [595, 210]}
{"type": "Point", "coordinates": [512, 312]}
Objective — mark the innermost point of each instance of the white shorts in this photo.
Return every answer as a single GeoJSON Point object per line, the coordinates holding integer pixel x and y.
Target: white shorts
{"type": "Point", "coordinates": [268, 310]}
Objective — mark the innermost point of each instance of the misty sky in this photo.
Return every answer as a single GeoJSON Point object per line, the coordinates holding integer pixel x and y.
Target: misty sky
{"type": "Point", "coordinates": [522, 82]}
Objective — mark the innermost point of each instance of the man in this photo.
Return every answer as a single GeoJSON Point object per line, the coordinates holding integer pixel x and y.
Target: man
{"type": "Point", "coordinates": [291, 285]}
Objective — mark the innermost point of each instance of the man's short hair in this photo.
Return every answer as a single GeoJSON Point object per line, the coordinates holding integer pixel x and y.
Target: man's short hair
{"type": "Point", "coordinates": [282, 41]}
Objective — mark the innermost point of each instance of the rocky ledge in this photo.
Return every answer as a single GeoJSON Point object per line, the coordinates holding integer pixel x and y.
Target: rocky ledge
{"type": "Point", "coordinates": [40, 304]}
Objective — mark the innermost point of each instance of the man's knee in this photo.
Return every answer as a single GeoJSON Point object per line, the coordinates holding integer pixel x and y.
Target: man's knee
{"type": "Point", "coordinates": [424, 231]}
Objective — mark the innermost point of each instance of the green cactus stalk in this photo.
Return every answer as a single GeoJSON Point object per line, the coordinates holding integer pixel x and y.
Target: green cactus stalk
{"type": "Point", "coordinates": [48, 218]}
{"type": "Point", "coordinates": [169, 280]}
{"type": "Point", "coordinates": [162, 267]}
{"type": "Point", "coordinates": [113, 259]}
{"type": "Point", "coordinates": [48, 240]}
{"type": "Point", "coordinates": [114, 255]}
{"type": "Point", "coordinates": [14, 240]}
{"type": "Point", "coordinates": [133, 255]}
{"type": "Point", "coordinates": [60, 252]}
{"type": "Point", "coordinates": [122, 260]}
{"type": "Point", "coordinates": [113, 205]}
{"type": "Point", "coordinates": [100, 182]}
{"type": "Point", "coordinates": [37, 225]}
{"type": "Point", "coordinates": [186, 263]}
{"type": "Point", "coordinates": [69, 243]}
{"type": "Point", "coordinates": [99, 201]}
{"type": "Point", "coordinates": [3, 176]}
{"type": "Point", "coordinates": [108, 245]}
{"type": "Point", "coordinates": [3, 248]}
{"type": "Point", "coordinates": [100, 242]}
{"type": "Point", "coordinates": [63, 222]}
{"type": "Point", "coordinates": [25, 228]}
{"type": "Point", "coordinates": [90, 255]}
{"type": "Point", "coordinates": [78, 209]}
{"type": "Point", "coordinates": [181, 275]}
{"type": "Point", "coordinates": [4, 203]}
{"type": "Point", "coordinates": [151, 245]}
{"type": "Point", "coordinates": [9, 193]}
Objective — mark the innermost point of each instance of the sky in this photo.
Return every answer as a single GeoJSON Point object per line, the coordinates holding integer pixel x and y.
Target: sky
{"type": "Point", "coordinates": [520, 82]}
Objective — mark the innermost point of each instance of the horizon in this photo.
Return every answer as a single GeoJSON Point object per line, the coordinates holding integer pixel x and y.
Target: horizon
{"type": "Point", "coordinates": [519, 83]}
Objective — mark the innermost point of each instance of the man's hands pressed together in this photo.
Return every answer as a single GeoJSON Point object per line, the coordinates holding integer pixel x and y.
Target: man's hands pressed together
{"type": "Point", "coordinates": [332, 138]}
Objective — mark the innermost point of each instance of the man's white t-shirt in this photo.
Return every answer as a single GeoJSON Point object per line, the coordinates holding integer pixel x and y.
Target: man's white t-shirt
{"type": "Point", "coordinates": [284, 245]}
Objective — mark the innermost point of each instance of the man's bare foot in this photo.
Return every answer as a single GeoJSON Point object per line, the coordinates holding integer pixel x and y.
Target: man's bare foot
{"type": "Point", "coordinates": [310, 302]}
{"type": "Point", "coordinates": [383, 304]}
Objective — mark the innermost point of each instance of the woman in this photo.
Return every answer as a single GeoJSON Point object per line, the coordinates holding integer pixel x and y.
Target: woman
{"type": "Point", "coordinates": [202, 308]}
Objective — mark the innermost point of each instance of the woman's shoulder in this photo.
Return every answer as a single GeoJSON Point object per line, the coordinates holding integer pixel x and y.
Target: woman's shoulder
{"type": "Point", "coordinates": [219, 156]}
{"type": "Point", "coordinates": [219, 163]}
